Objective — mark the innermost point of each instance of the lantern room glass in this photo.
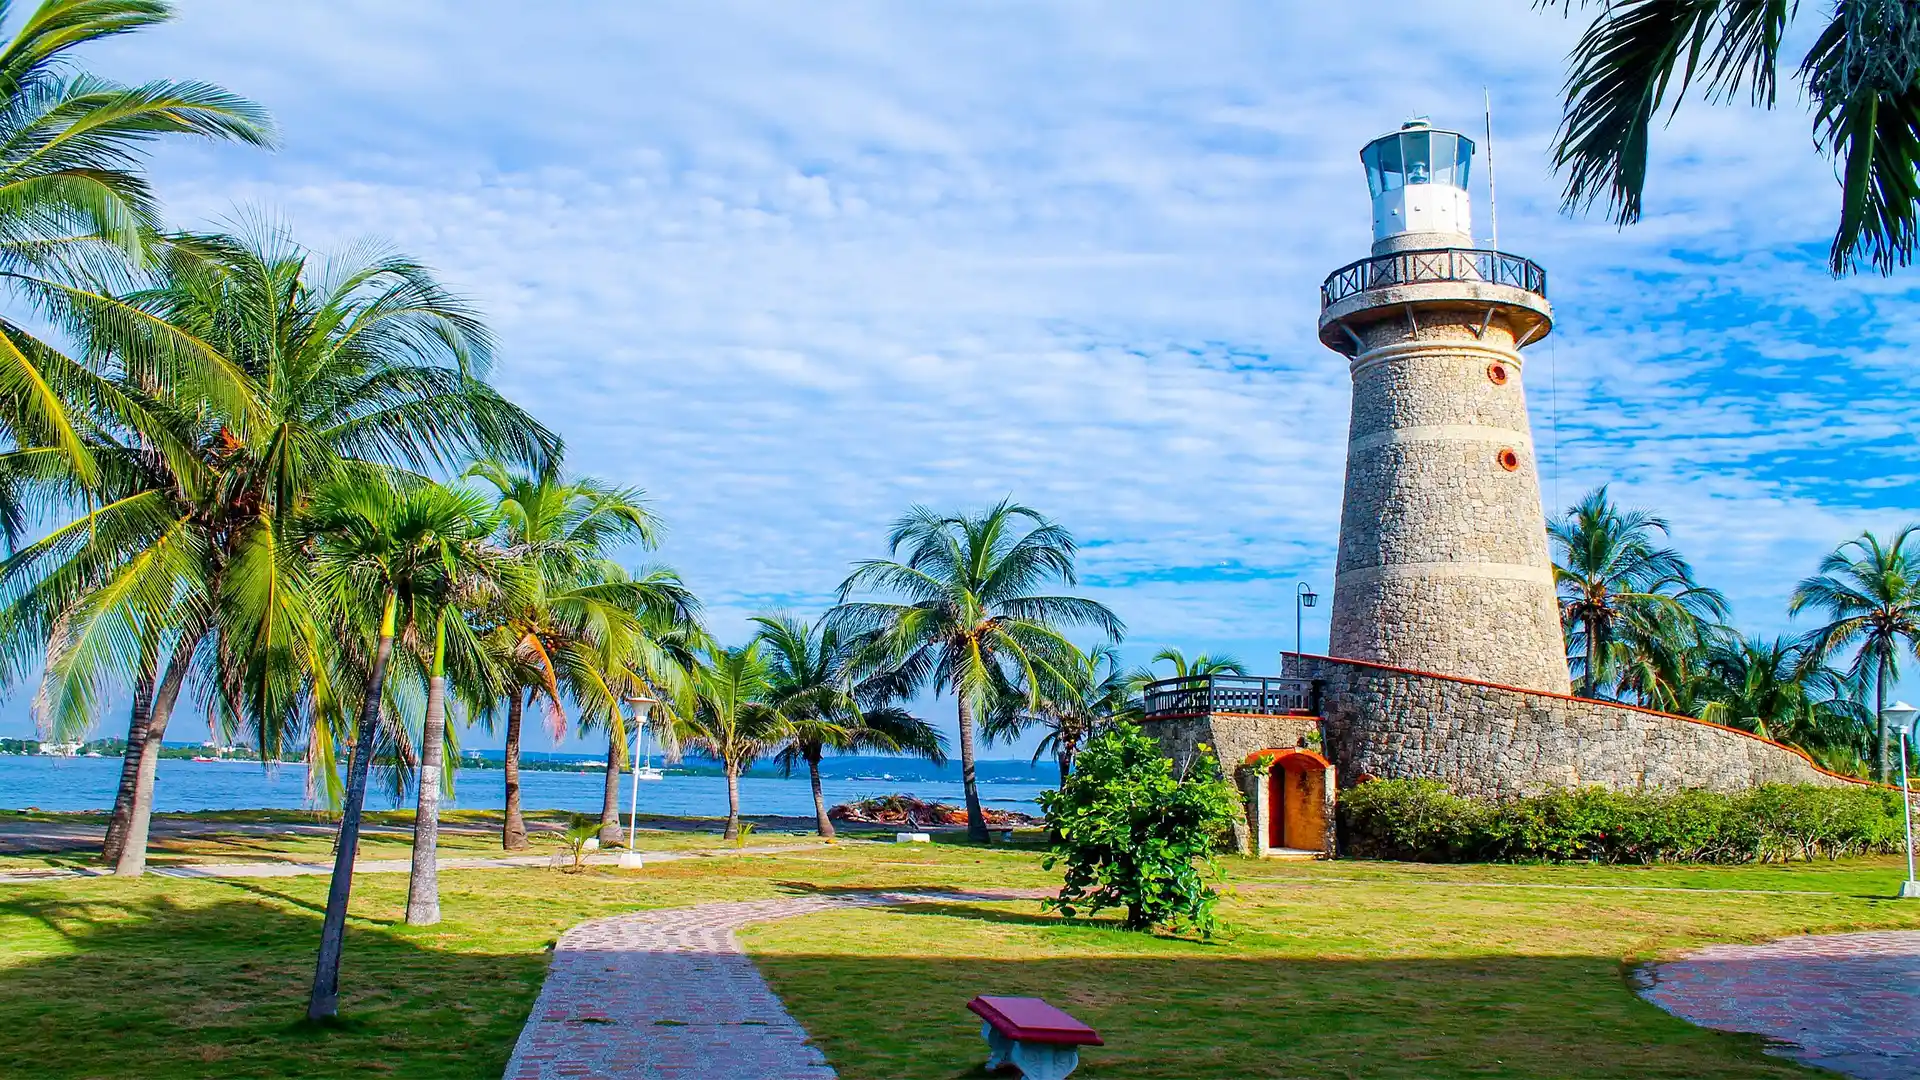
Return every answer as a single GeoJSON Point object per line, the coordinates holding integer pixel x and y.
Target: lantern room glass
{"type": "Point", "coordinates": [1417, 156]}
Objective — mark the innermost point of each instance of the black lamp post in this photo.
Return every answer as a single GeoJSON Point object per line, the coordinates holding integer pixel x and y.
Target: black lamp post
{"type": "Point", "coordinates": [1303, 597]}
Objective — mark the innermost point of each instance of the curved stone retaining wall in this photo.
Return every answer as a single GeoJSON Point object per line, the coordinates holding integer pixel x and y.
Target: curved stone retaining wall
{"type": "Point", "coordinates": [1487, 740]}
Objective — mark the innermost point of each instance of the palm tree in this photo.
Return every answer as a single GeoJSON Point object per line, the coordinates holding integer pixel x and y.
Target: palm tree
{"type": "Point", "coordinates": [725, 710]}
{"type": "Point", "coordinates": [968, 620]}
{"type": "Point", "coordinates": [1078, 697]}
{"type": "Point", "coordinates": [812, 679]}
{"type": "Point", "coordinates": [589, 624]}
{"type": "Point", "coordinates": [377, 549]}
{"type": "Point", "coordinates": [1859, 75]}
{"type": "Point", "coordinates": [469, 574]}
{"type": "Point", "coordinates": [1768, 687]}
{"type": "Point", "coordinates": [362, 367]}
{"type": "Point", "coordinates": [1665, 664]}
{"type": "Point", "coordinates": [75, 216]}
{"type": "Point", "coordinates": [1608, 568]}
{"type": "Point", "coordinates": [1204, 664]}
{"type": "Point", "coordinates": [1870, 593]}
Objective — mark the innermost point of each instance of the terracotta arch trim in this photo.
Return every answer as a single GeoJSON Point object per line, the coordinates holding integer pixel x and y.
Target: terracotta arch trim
{"type": "Point", "coordinates": [1288, 757]}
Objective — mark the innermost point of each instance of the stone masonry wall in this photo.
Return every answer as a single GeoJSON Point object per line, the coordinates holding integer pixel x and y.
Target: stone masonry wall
{"type": "Point", "coordinates": [1486, 740]}
{"type": "Point", "coordinates": [1232, 736]}
{"type": "Point", "coordinates": [1443, 559]}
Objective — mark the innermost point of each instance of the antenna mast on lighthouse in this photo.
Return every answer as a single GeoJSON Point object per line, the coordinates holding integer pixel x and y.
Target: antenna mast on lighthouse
{"type": "Point", "coordinates": [1493, 197]}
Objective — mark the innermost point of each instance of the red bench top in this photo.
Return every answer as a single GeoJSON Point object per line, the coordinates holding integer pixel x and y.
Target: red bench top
{"type": "Point", "coordinates": [1029, 1019]}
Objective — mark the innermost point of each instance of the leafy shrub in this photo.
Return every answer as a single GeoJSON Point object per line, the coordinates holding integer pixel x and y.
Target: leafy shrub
{"type": "Point", "coordinates": [1421, 821]}
{"type": "Point", "coordinates": [1133, 835]}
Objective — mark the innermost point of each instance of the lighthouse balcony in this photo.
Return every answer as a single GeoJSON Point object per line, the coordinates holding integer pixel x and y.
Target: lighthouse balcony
{"type": "Point", "coordinates": [1433, 265]}
{"type": "Point", "coordinates": [1472, 287]}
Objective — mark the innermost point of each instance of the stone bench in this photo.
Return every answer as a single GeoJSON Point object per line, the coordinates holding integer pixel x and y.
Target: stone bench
{"type": "Point", "coordinates": [1032, 1036]}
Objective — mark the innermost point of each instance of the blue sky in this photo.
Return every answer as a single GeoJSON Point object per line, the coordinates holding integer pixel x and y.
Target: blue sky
{"type": "Point", "coordinates": [794, 267]}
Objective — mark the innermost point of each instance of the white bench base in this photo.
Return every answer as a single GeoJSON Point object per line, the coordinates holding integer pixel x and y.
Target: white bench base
{"type": "Point", "coordinates": [1036, 1061]}
{"type": "Point", "coordinates": [912, 838]}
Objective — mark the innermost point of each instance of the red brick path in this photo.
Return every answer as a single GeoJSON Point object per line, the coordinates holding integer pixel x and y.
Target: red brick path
{"type": "Point", "coordinates": [1846, 1002]}
{"type": "Point", "coordinates": [669, 994]}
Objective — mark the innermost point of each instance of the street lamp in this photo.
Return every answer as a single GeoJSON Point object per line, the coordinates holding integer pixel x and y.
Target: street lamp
{"type": "Point", "coordinates": [1303, 597]}
{"type": "Point", "coordinates": [1900, 717]}
{"type": "Point", "coordinates": [642, 707]}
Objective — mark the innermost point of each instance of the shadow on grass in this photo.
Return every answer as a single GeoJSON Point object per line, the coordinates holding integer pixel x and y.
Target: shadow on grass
{"type": "Point", "coordinates": [1215, 1018]}
{"type": "Point", "coordinates": [155, 988]}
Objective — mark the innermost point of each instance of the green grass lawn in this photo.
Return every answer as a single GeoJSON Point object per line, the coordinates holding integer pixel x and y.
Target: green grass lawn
{"type": "Point", "coordinates": [1340, 969]}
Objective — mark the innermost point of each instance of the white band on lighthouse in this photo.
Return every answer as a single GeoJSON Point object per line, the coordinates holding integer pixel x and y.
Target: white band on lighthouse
{"type": "Point", "coordinates": [1441, 433]}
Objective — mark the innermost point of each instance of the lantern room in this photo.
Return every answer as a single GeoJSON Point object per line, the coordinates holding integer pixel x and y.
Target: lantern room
{"type": "Point", "coordinates": [1418, 179]}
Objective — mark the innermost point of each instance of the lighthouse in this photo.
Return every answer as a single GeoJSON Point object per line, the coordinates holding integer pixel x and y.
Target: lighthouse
{"type": "Point", "coordinates": [1443, 564]}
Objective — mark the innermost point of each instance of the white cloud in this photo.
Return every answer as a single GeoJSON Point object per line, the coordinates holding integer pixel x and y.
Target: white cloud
{"type": "Point", "coordinates": [793, 268]}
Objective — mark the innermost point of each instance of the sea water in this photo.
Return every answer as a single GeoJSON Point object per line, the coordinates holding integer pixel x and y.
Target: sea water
{"type": "Point", "coordinates": [84, 783]}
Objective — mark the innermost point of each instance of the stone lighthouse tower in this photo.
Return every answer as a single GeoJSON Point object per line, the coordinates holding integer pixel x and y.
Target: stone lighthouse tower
{"type": "Point", "coordinates": [1443, 565]}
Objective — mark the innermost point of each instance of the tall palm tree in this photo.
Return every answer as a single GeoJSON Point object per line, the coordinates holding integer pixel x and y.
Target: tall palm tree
{"type": "Point", "coordinates": [471, 574]}
{"type": "Point", "coordinates": [813, 679]}
{"type": "Point", "coordinates": [1859, 76]}
{"type": "Point", "coordinates": [76, 216]}
{"type": "Point", "coordinates": [359, 366]}
{"type": "Point", "coordinates": [589, 625]}
{"type": "Point", "coordinates": [725, 710]}
{"type": "Point", "coordinates": [1079, 694]}
{"type": "Point", "coordinates": [1608, 568]}
{"type": "Point", "coordinates": [1870, 593]}
{"type": "Point", "coordinates": [377, 550]}
{"type": "Point", "coordinates": [968, 620]}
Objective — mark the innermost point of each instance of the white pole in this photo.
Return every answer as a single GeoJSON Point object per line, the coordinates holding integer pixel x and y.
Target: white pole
{"type": "Point", "coordinates": [1493, 197]}
{"type": "Point", "coordinates": [633, 767]}
{"type": "Point", "coordinates": [1906, 803]}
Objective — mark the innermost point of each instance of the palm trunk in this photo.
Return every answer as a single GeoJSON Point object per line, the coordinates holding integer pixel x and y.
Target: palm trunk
{"type": "Point", "coordinates": [733, 802]}
{"type": "Point", "coordinates": [324, 1002]}
{"type": "Point", "coordinates": [1593, 657]}
{"type": "Point", "coordinates": [821, 821]}
{"type": "Point", "coordinates": [610, 794]}
{"type": "Point", "coordinates": [1880, 723]}
{"type": "Point", "coordinates": [132, 858]}
{"type": "Point", "coordinates": [513, 832]}
{"type": "Point", "coordinates": [142, 712]}
{"type": "Point", "coordinates": [976, 821]}
{"type": "Point", "coordinates": [423, 878]}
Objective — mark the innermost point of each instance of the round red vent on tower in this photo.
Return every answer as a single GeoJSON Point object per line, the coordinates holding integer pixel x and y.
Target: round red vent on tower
{"type": "Point", "coordinates": [1507, 458]}
{"type": "Point", "coordinates": [1497, 374]}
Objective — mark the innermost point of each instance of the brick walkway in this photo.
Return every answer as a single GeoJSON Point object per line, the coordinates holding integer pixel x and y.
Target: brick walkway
{"type": "Point", "coordinates": [670, 994]}
{"type": "Point", "coordinates": [1846, 1002]}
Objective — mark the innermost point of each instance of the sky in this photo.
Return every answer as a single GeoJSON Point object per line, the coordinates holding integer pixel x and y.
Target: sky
{"type": "Point", "coordinates": [792, 268]}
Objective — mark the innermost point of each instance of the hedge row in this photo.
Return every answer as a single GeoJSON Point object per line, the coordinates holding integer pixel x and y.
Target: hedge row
{"type": "Point", "coordinates": [1421, 821]}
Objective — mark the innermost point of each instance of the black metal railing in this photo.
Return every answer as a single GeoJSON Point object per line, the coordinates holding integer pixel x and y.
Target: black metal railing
{"type": "Point", "coordinates": [1439, 264]}
{"type": "Point", "coordinates": [1196, 695]}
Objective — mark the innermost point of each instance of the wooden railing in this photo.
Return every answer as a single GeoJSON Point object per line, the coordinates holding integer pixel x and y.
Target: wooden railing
{"type": "Point", "coordinates": [1198, 695]}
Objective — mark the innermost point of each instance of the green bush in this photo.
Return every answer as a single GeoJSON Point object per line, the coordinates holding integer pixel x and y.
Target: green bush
{"type": "Point", "coordinates": [1421, 821]}
{"type": "Point", "coordinates": [1133, 835]}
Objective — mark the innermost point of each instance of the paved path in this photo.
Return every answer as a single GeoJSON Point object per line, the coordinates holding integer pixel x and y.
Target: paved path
{"type": "Point", "coordinates": [378, 866]}
{"type": "Point", "coordinates": [1846, 1002]}
{"type": "Point", "coordinates": [670, 993]}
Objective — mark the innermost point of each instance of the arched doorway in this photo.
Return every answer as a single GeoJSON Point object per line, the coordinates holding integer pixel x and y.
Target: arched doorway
{"type": "Point", "coordinates": [1295, 807]}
